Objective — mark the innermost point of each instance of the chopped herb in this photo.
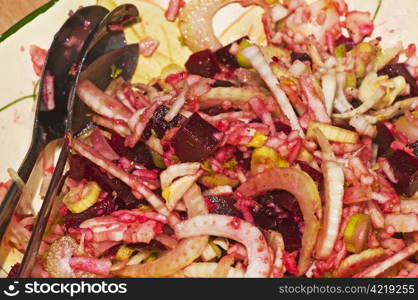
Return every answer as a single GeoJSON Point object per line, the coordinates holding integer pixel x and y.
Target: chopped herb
{"type": "Point", "coordinates": [379, 4]}
{"type": "Point", "coordinates": [158, 160]}
{"type": "Point", "coordinates": [115, 72]}
{"type": "Point", "coordinates": [181, 40]}
{"type": "Point", "coordinates": [206, 166]}
{"type": "Point", "coordinates": [35, 87]}
{"type": "Point", "coordinates": [340, 51]}
{"type": "Point", "coordinates": [16, 101]}
{"type": "Point", "coordinates": [230, 164]}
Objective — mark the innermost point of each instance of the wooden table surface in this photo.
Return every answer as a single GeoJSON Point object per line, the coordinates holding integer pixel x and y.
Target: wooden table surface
{"type": "Point", "coordinates": [11, 11]}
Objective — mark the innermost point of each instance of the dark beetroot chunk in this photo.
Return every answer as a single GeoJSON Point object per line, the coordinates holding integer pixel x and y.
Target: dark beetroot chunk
{"type": "Point", "coordinates": [102, 208]}
{"type": "Point", "coordinates": [225, 57]}
{"type": "Point", "coordinates": [13, 271]}
{"type": "Point", "coordinates": [300, 56]}
{"type": "Point", "coordinates": [282, 127]}
{"type": "Point", "coordinates": [153, 245]}
{"type": "Point", "coordinates": [159, 125]}
{"type": "Point", "coordinates": [280, 211]}
{"type": "Point", "coordinates": [243, 162]}
{"type": "Point", "coordinates": [111, 252]}
{"type": "Point", "coordinates": [203, 63]}
{"type": "Point", "coordinates": [216, 110]}
{"type": "Point", "coordinates": [81, 167]}
{"type": "Point", "coordinates": [195, 140]}
{"type": "Point", "coordinates": [383, 140]}
{"type": "Point", "coordinates": [316, 175]}
{"type": "Point", "coordinates": [222, 83]}
{"type": "Point", "coordinates": [394, 70]}
{"type": "Point", "coordinates": [405, 169]}
{"type": "Point", "coordinates": [140, 154]}
{"type": "Point", "coordinates": [222, 205]}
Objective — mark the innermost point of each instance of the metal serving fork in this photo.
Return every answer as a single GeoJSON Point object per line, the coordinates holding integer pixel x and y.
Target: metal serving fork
{"type": "Point", "coordinates": [99, 69]}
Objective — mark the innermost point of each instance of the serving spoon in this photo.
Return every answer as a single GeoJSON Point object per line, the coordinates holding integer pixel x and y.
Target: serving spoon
{"type": "Point", "coordinates": [51, 116]}
{"type": "Point", "coordinates": [98, 71]}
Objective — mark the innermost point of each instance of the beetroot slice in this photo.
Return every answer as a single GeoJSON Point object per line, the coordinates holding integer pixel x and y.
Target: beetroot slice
{"type": "Point", "coordinates": [300, 56]}
{"type": "Point", "coordinates": [383, 140]}
{"type": "Point", "coordinates": [316, 175]}
{"type": "Point", "coordinates": [102, 208]}
{"type": "Point", "coordinates": [222, 205]}
{"type": "Point", "coordinates": [203, 63]}
{"type": "Point", "coordinates": [222, 83]}
{"type": "Point", "coordinates": [224, 57]}
{"type": "Point", "coordinates": [13, 271]}
{"type": "Point", "coordinates": [280, 211]}
{"type": "Point", "coordinates": [216, 110]}
{"type": "Point", "coordinates": [140, 154]}
{"type": "Point", "coordinates": [282, 127]}
{"type": "Point", "coordinates": [394, 70]}
{"type": "Point", "coordinates": [405, 169]}
{"type": "Point", "coordinates": [195, 140]}
{"type": "Point", "coordinates": [82, 168]}
{"type": "Point", "coordinates": [159, 125]}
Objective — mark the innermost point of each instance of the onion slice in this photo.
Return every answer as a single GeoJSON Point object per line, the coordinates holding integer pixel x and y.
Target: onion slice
{"type": "Point", "coordinates": [275, 240]}
{"type": "Point", "coordinates": [224, 265]}
{"type": "Point", "coordinates": [254, 54]}
{"type": "Point", "coordinates": [90, 264]}
{"type": "Point", "coordinates": [381, 267]}
{"type": "Point", "coordinates": [195, 23]}
{"type": "Point", "coordinates": [177, 189]}
{"type": "Point", "coordinates": [171, 262]}
{"type": "Point", "coordinates": [409, 206]}
{"type": "Point", "coordinates": [341, 103]}
{"type": "Point", "coordinates": [302, 186]}
{"type": "Point", "coordinates": [363, 126]}
{"type": "Point", "coordinates": [390, 112]}
{"type": "Point", "coordinates": [177, 106]}
{"type": "Point", "coordinates": [142, 122]}
{"type": "Point", "coordinates": [333, 133]}
{"type": "Point", "coordinates": [408, 125]}
{"type": "Point", "coordinates": [177, 170]}
{"type": "Point", "coordinates": [237, 96]}
{"type": "Point", "coordinates": [183, 255]}
{"type": "Point", "coordinates": [329, 87]}
{"type": "Point", "coordinates": [259, 259]}
{"type": "Point", "coordinates": [402, 222]}
{"type": "Point", "coordinates": [101, 145]}
{"type": "Point", "coordinates": [120, 128]}
{"type": "Point", "coordinates": [102, 103]}
{"type": "Point", "coordinates": [334, 192]}
{"type": "Point", "coordinates": [315, 103]}
{"type": "Point", "coordinates": [364, 107]}
{"type": "Point", "coordinates": [357, 262]}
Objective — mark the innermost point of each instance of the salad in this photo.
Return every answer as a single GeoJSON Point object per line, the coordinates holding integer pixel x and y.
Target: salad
{"type": "Point", "coordinates": [294, 157]}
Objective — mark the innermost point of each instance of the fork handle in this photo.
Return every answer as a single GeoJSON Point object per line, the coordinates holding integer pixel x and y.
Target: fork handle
{"type": "Point", "coordinates": [11, 200]}
{"type": "Point", "coordinates": [42, 218]}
